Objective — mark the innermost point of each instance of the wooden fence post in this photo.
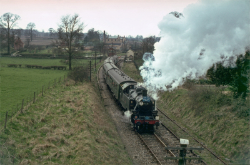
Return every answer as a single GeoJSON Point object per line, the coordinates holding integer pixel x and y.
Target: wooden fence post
{"type": "Point", "coordinates": [22, 106]}
{"type": "Point", "coordinates": [5, 119]}
{"type": "Point", "coordinates": [34, 97]}
{"type": "Point", "coordinates": [90, 70]}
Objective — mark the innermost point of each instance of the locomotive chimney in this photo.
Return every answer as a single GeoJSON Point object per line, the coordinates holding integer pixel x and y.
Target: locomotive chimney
{"type": "Point", "coordinates": [104, 37]}
{"type": "Point", "coordinates": [144, 93]}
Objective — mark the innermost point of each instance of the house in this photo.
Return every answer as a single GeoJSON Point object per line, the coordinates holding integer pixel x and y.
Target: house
{"type": "Point", "coordinates": [111, 51]}
{"type": "Point", "coordinates": [130, 55]}
{"type": "Point", "coordinates": [88, 47]}
{"type": "Point", "coordinates": [114, 42]}
{"type": "Point", "coordinates": [18, 44]}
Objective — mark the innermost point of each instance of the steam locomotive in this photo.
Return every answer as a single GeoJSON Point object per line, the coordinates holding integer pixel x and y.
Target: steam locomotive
{"type": "Point", "coordinates": [131, 97]}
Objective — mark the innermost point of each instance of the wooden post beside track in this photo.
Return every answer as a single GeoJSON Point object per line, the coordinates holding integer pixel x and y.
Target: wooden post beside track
{"type": "Point", "coordinates": [90, 70]}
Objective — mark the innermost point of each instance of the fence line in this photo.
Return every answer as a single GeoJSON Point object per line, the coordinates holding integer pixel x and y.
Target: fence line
{"type": "Point", "coordinates": [25, 104]}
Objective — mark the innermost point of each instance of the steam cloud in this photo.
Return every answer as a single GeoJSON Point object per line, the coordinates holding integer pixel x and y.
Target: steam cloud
{"type": "Point", "coordinates": [192, 41]}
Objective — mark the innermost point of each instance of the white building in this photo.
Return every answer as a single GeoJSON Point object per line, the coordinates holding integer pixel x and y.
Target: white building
{"type": "Point", "coordinates": [130, 55]}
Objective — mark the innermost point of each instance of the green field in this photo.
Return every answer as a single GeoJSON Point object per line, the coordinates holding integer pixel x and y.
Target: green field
{"type": "Point", "coordinates": [21, 83]}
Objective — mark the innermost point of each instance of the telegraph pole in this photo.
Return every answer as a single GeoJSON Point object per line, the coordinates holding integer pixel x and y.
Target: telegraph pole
{"type": "Point", "coordinates": [90, 70]}
{"type": "Point", "coordinates": [112, 49]}
{"type": "Point", "coordinates": [95, 58]}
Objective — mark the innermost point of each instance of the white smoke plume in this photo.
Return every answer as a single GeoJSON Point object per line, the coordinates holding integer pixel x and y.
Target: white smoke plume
{"type": "Point", "coordinates": [127, 115]}
{"type": "Point", "coordinates": [193, 40]}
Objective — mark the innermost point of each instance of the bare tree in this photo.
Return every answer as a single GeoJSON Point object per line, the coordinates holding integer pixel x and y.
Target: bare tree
{"type": "Point", "coordinates": [7, 22]}
{"type": "Point", "coordinates": [30, 27]}
{"type": "Point", "coordinates": [51, 32]}
{"type": "Point", "coordinates": [70, 29]}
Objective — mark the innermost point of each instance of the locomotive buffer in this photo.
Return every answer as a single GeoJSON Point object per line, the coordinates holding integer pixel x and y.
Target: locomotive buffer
{"type": "Point", "coordinates": [183, 150]}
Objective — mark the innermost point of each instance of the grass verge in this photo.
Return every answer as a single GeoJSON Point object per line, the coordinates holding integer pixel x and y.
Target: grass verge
{"type": "Point", "coordinates": [68, 125]}
{"type": "Point", "coordinates": [130, 69]}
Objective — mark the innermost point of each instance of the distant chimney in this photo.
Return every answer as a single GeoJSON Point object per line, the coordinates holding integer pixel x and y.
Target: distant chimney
{"type": "Point", "coordinates": [104, 37]}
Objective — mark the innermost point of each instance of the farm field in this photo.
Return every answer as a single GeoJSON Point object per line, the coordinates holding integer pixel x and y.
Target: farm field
{"type": "Point", "coordinates": [21, 83]}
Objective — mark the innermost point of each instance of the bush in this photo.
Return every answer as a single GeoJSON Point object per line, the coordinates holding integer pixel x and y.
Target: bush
{"type": "Point", "coordinates": [213, 97]}
{"type": "Point", "coordinates": [241, 107]}
{"type": "Point", "coordinates": [188, 84]}
{"type": "Point", "coordinates": [234, 74]}
{"type": "Point", "coordinates": [79, 74]}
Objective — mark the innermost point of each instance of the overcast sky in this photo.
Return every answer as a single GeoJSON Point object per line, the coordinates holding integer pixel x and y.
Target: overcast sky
{"type": "Point", "coordinates": [117, 17]}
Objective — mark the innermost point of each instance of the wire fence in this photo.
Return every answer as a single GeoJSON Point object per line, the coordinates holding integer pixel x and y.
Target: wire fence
{"type": "Point", "coordinates": [26, 102]}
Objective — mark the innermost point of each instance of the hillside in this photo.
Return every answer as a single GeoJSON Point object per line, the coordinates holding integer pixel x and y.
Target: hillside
{"type": "Point", "coordinates": [69, 125]}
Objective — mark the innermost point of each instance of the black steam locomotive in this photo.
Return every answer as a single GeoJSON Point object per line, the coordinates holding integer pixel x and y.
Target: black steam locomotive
{"type": "Point", "coordinates": [131, 96]}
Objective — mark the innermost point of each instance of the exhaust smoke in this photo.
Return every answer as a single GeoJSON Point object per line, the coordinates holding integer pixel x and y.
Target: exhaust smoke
{"type": "Point", "coordinates": [193, 40]}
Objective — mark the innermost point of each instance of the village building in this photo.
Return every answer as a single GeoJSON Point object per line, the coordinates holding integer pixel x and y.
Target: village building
{"type": "Point", "coordinates": [130, 55]}
{"type": "Point", "coordinates": [18, 44]}
{"type": "Point", "coordinates": [114, 42]}
{"type": "Point", "coordinates": [111, 51]}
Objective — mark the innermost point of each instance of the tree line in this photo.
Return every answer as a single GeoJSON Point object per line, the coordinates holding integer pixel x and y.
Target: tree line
{"type": "Point", "coordinates": [69, 34]}
{"type": "Point", "coordinates": [231, 72]}
{"type": "Point", "coordinates": [8, 22]}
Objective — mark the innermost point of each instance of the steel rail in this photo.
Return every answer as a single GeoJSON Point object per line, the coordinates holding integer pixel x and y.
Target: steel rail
{"type": "Point", "coordinates": [149, 148]}
{"type": "Point", "coordinates": [193, 137]}
{"type": "Point", "coordinates": [171, 153]}
{"type": "Point", "coordinates": [170, 131]}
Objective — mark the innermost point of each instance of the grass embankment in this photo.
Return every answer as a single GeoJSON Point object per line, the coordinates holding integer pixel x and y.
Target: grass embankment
{"type": "Point", "coordinates": [69, 125]}
{"type": "Point", "coordinates": [130, 69]}
{"type": "Point", "coordinates": [212, 115]}
{"type": "Point", "coordinates": [217, 119]}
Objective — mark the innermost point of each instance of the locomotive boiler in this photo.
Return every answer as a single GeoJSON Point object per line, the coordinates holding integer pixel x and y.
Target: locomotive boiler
{"type": "Point", "coordinates": [131, 96]}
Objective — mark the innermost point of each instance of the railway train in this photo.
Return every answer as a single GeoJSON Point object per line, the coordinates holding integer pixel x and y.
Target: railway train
{"type": "Point", "coordinates": [131, 96]}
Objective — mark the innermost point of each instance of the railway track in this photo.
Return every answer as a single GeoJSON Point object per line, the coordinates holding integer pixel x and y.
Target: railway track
{"type": "Point", "coordinates": [150, 147]}
{"type": "Point", "coordinates": [134, 146]}
{"type": "Point", "coordinates": [155, 144]}
{"type": "Point", "coordinates": [157, 148]}
{"type": "Point", "coordinates": [196, 140]}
